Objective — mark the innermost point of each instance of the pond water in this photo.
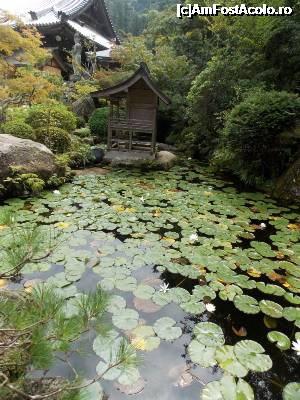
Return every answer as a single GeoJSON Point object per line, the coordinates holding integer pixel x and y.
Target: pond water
{"type": "Point", "coordinates": [130, 232]}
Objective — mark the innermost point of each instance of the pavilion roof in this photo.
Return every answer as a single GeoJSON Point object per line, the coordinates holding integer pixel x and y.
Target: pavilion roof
{"type": "Point", "coordinates": [121, 88]}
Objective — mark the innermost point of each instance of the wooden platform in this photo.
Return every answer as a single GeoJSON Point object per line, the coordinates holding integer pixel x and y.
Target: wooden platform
{"type": "Point", "coordinates": [129, 158]}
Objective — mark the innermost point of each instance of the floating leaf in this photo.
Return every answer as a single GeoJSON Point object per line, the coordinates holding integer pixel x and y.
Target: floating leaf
{"type": "Point", "coordinates": [201, 354]}
{"type": "Point", "coordinates": [144, 292]}
{"type": "Point", "coordinates": [228, 389]}
{"type": "Point", "coordinates": [126, 319]}
{"type": "Point", "coordinates": [209, 334]}
{"type": "Point", "coordinates": [250, 354]}
{"type": "Point", "coordinates": [291, 391]}
{"type": "Point", "coordinates": [247, 304]}
{"type": "Point", "coordinates": [280, 339]}
{"type": "Point", "coordinates": [271, 308]}
{"type": "Point", "coordinates": [227, 360]}
{"type": "Point", "coordinates": [165, 329]}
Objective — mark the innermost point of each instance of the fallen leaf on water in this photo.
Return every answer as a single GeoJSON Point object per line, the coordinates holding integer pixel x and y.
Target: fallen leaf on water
{"type": "Point", "coordinates": [254, 272]}
{"type": "Point", "coordinates": [139, 343]}
{"type": "Point", "coordinates": [280, 255]}
{"type": "Point", "coordinates": [269, 322]}
{"type": "Point", "coordinates": [62, 225]}
{"type": "Point", "coordinates": [242, 332]}
{"type": "Point", "coordinates": [277, 277]}
{"type": "Point", "coordinates": [168, 239]}
{"type": "Point", "coordinates": [3, 283]}
{"type": "Point", "coordinates": [294, 227]}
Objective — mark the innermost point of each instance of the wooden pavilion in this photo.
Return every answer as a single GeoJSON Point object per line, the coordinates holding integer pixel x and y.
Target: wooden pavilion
{"type": "Point", "coordinates": [133, 112]}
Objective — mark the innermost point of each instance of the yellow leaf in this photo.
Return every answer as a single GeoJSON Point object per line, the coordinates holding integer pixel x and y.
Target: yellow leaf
{"type": "Point", "coordinates": [130, 210]}
{"type": "Point", "coordinates": [62, 225]}
{"type": "Point", "coordinates": [139, 343]}
{"type": "Point", "coordinates": [3, 283]}
{"type": "Point", "coordinates": [287, 285]}
{"type": "Point", "coordinates": [294, 227]}
{"type": "Point", "coordinates": [207, 193]}
{"type": "Point", "coordinates": [2, 227]}
{"type": "Point", "coordinates": [28, 289]}
{"type": "Point", "coordinates": [168, 239]}
{"type": "Point", "coordinates": [254, 273]}
{"type": "Point", "coordinates": [119, 208]}
{"type": "Point", "coordinates": [156, 213]}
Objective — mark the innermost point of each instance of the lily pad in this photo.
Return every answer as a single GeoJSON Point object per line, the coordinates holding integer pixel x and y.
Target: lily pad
{"type": "Point", "coordinates": [271, 308]}
{"type": "Point", "coordinates": [165, 329]}
{"type": "Point", "coordinates": [201, 354]}
{"type": "Point", "coordinates": [280, 339]}
{"type": "Point", "coordinates": [291, 391]}
{"type": "Point", "coordinates": [227, 360]}
{"type": "Point", "coordinates": [250, 354]}
{"type": "Point", "coordinates": [126, 319]}
{"type": "Point", "coordinates": [247, 304]}
{"type": "Point", "coordinates": [209, 334]}
{"type": "Point", "coordinates": [228, 389]}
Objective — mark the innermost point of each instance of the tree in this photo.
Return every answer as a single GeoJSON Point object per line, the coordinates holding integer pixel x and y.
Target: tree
{"type": "Point", "coordinates": [27, 84]}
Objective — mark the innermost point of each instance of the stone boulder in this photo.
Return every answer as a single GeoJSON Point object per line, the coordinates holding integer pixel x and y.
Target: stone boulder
{"type": "Point", "coordinates": [288, 185]}
{"type": "Point", "coordinates": [83, 108]}
{"type": "Point", "coordinates": [28, 156]}
{"type": "Point", "coordinates": [165, 159]}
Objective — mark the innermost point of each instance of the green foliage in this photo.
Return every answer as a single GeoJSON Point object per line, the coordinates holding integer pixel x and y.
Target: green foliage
{"type": "Point", "coordinates": [79, 154]}
{"type": "Point", "coordinates": [98, 122]}
{"type": "Point", "coordinates": [18, 129]}
{"type": "Point", "coordinates": [24, 183]}
{"type": "Point", "coordinates": [258, 141]}
{"type": "Point", "coordinates": [56, 139]}
{"type": "Point", "coordinates": [51, 115]}
{"type": "Point", "coordinates": [83, 132]}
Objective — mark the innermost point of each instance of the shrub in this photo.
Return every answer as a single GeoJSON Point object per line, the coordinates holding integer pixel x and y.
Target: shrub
{"type": "Point", "coordinates": [51, 115]}
{"type": "Point", "coordinates": [258, 140]}
{"type": "Point", "coordinates": [56, 139]}
{"type": "Point", "coordinates": [83, 132]}
{"type": "Point", "coordinates": [98, 122]}
{"type": "Point", "coordinates": [79, 154]}
{"type": "Point", "coordinates": [18, 129]}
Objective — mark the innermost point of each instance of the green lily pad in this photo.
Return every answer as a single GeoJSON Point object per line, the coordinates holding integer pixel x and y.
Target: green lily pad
{"type": "Point", "coordinates": [291, 391]}
{"type": "Point", "coordinates": [201, 354]}
{"type": "Point", "coordinates": [250, 354]}
{"type": "Point", "coordinates": [271, 308]}
{"type": "Point", "coordinates": [165, 329]}
{"type": "Point", "coordinates": [247, 304]}
{"type": "Point", "coordinates": [116, 304]}
{"type": "Point", "coordinates": [144, 292]}
{"type": "Point", "coordinates": [209, 334]}
{"type": "Point", "coordinates": [228, 389]}
{"type": "Point", "coordinates": [126, 319]}
{"type": "Point", "coordinates": [280, 339]}
{"type": "Point", "coordinates": [227, 360]}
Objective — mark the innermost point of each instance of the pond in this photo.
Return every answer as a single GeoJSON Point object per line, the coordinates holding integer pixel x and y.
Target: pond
{"type": "Point", "coordinates": [204, 281]}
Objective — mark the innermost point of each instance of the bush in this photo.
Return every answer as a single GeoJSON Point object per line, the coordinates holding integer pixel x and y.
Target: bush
{"type": "Point", "coordinates": [98, 122]}
{"type": "Point", "coordinates": [259, 138]}
{"type": "Point", "coordinates": [49, 115]}
{"type": "Point", "coordinates": [79, 154]}
{"type": "Point", "coordinates": [18, 129]}
{"type": "Point", "coordinates": [83, 132]}
{"type": "Point", "coordinates": [56, 139]}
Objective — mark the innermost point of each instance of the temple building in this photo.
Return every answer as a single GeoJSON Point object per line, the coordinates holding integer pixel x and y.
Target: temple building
{"type": "Point", "coordinates": [59, 21]}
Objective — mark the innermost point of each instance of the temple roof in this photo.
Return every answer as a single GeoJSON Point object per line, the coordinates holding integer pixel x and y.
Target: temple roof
{"type": "Point", "coordinates": [57, 12]}
{"type": "Point", "coordinates": [142, 73]}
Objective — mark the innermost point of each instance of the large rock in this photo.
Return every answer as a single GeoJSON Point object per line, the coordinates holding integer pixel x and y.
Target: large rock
{"type": "Point", "coordinates": [165, 159]}
{"type": "Point", "coordinates": [288, 185]}
{"type": "Point", "coordinates": [83, 108]}
{"type": "Point", "coordinates": [28, 156]}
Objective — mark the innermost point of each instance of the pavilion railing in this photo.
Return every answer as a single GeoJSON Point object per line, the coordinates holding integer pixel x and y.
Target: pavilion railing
{"type": "Point", "coordinates": [131, 134]}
